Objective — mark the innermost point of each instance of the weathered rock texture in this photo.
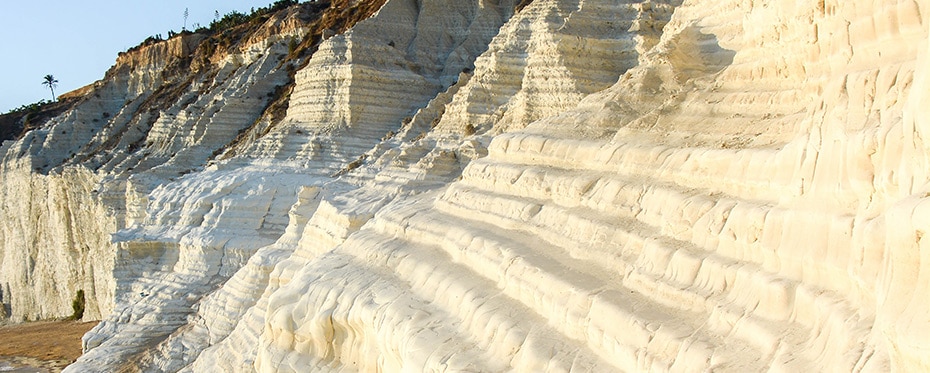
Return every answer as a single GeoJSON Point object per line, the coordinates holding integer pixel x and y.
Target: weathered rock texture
{"type": "Point", "coordinates": [456, 185]}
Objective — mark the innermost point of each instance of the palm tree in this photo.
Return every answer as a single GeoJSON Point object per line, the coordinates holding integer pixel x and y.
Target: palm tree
{"type": "Point", "coordinates": [51, 82]}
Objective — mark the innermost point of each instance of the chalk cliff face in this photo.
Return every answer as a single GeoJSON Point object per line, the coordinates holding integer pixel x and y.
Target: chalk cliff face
{"type": "Point", "coordinates": [493, 185]}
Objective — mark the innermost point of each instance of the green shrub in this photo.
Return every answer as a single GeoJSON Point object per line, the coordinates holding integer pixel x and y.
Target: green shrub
{"type": "Point", "coordinates": [78, 305]}
{"type": "Point", "coordinates": [292, 46]}
{"type": "Point", "coordinates": [33, 107]}
{"type": "Point", "coordinates": [230, 20]}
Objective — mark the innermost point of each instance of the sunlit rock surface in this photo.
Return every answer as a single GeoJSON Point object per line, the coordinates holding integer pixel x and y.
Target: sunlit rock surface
{"type": "Point", "coordinates": [489, 186]}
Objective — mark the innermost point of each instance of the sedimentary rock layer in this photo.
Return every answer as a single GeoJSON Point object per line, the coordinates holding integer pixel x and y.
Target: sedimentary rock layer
{"type": "Point", "coordinates": [458, 186]}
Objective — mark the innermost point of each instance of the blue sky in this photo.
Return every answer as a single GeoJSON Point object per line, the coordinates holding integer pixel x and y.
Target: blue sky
{"type": "Point", "coordinates": [77, 41]}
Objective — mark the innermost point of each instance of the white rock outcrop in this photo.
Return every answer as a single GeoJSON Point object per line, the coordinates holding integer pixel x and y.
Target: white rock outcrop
{"type": "Point", "coordinates": [582, 185]}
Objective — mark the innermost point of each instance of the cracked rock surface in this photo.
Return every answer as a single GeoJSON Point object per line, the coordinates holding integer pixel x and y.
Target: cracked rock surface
{"type": "Point", "coordinates": [445, 185]}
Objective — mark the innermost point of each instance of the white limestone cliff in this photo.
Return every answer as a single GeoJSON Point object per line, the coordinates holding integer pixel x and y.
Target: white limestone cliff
{"type": "Point", "coordinates": [458, 186]}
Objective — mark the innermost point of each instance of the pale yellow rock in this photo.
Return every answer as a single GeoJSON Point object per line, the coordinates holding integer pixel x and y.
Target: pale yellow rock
{"type": "Point", "coordinates": [584, 185]}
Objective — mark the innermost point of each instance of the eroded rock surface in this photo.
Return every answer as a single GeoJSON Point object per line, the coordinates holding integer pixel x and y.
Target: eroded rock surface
{"type": "Point", "coordinates": [460, 186]}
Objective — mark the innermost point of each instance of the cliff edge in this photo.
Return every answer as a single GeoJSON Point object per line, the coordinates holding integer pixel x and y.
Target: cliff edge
{"type": "Point", "coordinates": [491, 185]}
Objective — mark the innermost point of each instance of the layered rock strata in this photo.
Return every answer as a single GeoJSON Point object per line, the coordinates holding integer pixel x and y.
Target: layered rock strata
{"type": "Point", "coordinates": [194, 235]}
{"type": "Point", "coordinates": [453, 186]}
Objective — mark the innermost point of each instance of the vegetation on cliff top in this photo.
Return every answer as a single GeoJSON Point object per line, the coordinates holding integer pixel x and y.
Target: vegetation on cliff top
{"type": "Point", "coordinates": [226, 22]}
{"type": "Point", "coordinates": [322, 18]}
{"type": "Point", "coordinates": [26, 117]}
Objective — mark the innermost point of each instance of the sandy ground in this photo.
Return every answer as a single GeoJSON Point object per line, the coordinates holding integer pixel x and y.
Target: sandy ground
{"type": "Point", "coordinates": [44, 346]}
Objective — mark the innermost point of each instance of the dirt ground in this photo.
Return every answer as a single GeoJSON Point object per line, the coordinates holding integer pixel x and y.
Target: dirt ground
{"type": "Point", "coordinates": [46, 345]}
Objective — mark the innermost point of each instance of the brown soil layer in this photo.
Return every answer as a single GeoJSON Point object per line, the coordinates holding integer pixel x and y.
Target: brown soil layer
{"type": "Point", "coordinates": [44, 344]}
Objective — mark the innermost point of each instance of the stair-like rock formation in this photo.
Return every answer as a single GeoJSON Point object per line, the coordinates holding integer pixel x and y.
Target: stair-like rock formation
{"type": "Point", "coordinates": [198, 230]}
{"type": "Point", "coordinates": [455, 186]}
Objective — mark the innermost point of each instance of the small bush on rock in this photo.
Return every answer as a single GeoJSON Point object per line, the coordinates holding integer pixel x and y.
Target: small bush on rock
{"type": "Point", "coordinates": [78, 305]}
